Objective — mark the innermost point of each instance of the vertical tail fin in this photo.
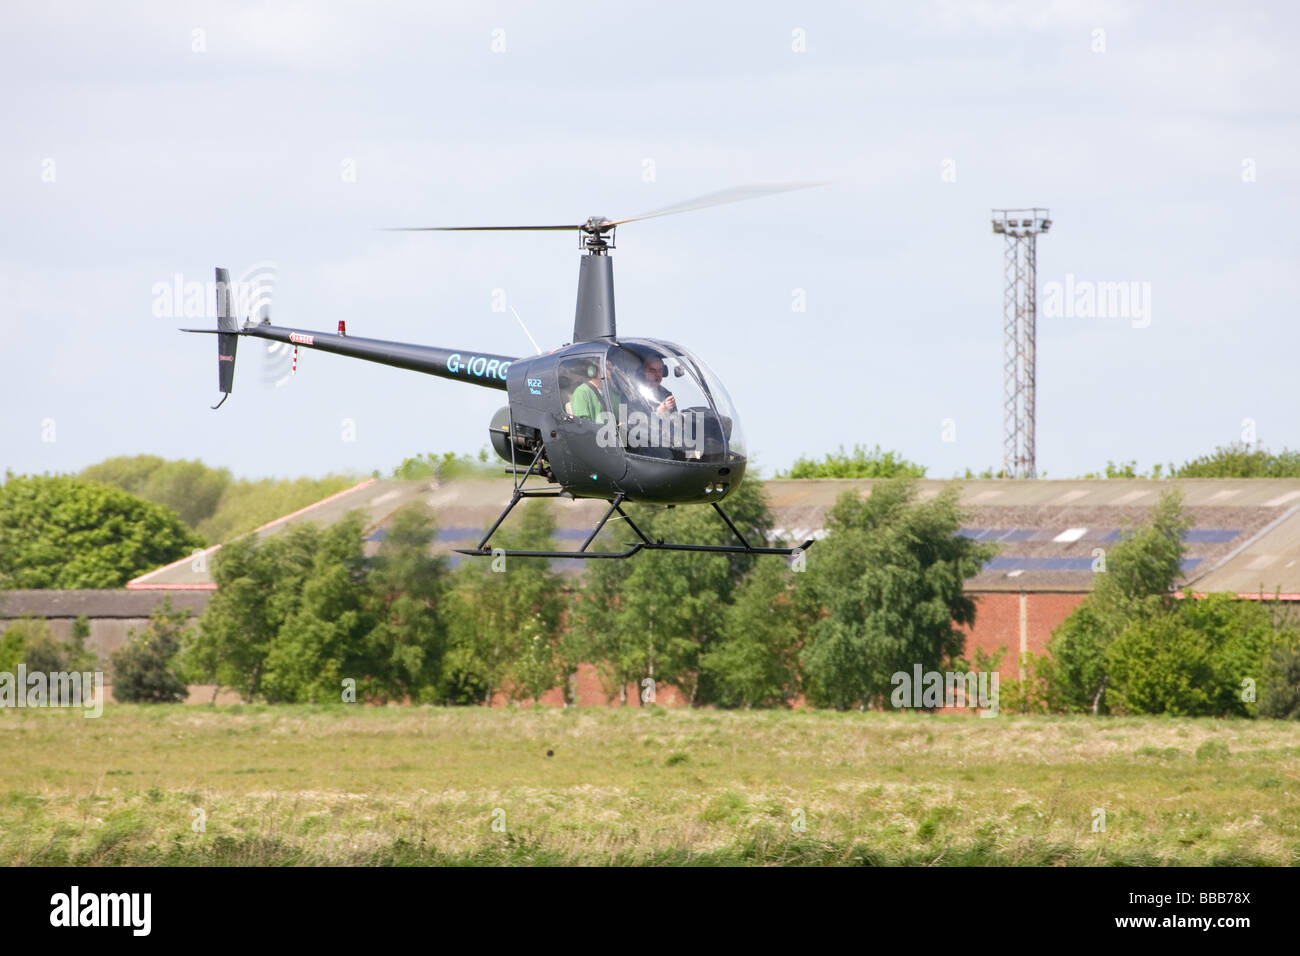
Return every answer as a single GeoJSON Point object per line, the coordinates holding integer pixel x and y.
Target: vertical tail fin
{"type": "Point", "coordinates": [227, 335]}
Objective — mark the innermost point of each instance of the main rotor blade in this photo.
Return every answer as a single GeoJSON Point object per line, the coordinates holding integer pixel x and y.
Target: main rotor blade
{"type": "Point", "coordinates": [480, 228]}
{"type": "Point", "coordinates": [735, 194]}
{"type": "Point", "coordinates": [598, 225]}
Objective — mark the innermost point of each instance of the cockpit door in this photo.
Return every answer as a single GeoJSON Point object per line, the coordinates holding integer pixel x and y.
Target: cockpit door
{"type": "Point", "coordinates": [586, 452]}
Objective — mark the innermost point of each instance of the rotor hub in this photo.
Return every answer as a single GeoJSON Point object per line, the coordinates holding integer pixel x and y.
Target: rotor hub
{"type": "Point", "coordinates": [591, 235]}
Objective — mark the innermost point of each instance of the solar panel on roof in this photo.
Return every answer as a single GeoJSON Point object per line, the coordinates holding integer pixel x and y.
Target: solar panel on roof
{"type": "Point", "coordinates": [1056, 564]}
{"type": "Point", "coordinates": [1211, 535]}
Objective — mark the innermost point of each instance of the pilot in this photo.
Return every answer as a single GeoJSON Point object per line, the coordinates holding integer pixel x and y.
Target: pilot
{"type": "Point", "coordinates": [653, 372]}
{"type": "Point", "coordinates": [587, 401]}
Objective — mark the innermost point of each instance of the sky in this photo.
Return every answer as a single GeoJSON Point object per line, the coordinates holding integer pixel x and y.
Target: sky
{"type": "Point", "coordinates": [147, 143]}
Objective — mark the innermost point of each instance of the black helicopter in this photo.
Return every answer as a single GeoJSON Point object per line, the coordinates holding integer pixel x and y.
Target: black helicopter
{"type": "Point", "coordinates": [623, 420]}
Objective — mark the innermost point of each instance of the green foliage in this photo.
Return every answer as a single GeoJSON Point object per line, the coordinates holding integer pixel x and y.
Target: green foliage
{"type": "Point", "coordinates": [890, 576]}
{"type": "Point", "coordinates": [654, 616]}
{"type": "Point", "coordinates": [1212, 750]}
{"type": "Point", "coordinates": [1279, 691]}
{"type": "Point", "coordinates": [1132, 648]}
{"type": "Point", "coordinates": [447, 466]}
{"type": "Point", "coordinates": [407, 585]}
{"type": "Point", "coordinates": [247, 505]}
{"type": "Point", "coordinates": [504, 617]}
{"type": "Point", "coordinates": [144, 668]}
{"type": "Point", "coordinates": [190, 488]}
{"type": "Point", "coordinates": [58, 532]}
{"type": "Point", "coordinates": [1142, 570]}
{"type": "Point", "coordinates": [1076, 669]}
{"type": "Point", "coordinates": [259, 586]}
{"type": "Point", "coordinates": [755, 662]}
{"type": "Point", "coordinates": [1145, 563]}
{"type": "Point", "coordinates": [860, 464]}
{"type": "Point", "coordinates": [1163, 664]}
{"type": "Point", "coordinates": [320, 642]}
{"type": "Point", "coordinates": [296, 614]}
{"type": "Point", "coordinates": [1031, 694]}
{"type": "Point", "coordinates": [31, 641]}
{"type": "Point", "coordinates": [208, 499]}
{"type": "Point", "coordinates": [1238, 460]}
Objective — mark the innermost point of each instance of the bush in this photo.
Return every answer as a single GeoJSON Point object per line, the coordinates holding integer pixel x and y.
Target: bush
{"type": "Point", "coordinates": [1238, 460]}
{"type": "Point", "coordinates": [58, 532]}
{"type": "Point", "coordinates": [1280, 690]}
{"type": "Point", "coordinates": [31, 642]}
{"type": "Point", "coordinates": [860, 464]}
{"type": "Point", "coordinates": [1193, 661]}
{"type": "Point", "coordinates": [144, 668]}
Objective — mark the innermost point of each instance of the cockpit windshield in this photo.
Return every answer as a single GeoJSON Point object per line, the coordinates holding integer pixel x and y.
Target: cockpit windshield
{"type": "Point", "coordinates": [669, 404]}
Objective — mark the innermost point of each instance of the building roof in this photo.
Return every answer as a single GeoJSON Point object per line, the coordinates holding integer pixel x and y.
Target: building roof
{"type": "Point", "coordinates": [95, 604]}
{"type": "Point", "coordinates": [1245, 534]}
{"type": "Point", "coordinates": [1051, 533]}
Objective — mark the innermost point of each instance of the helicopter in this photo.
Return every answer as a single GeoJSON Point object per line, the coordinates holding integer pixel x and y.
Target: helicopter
{"type": "Point", "coordinates": [623, 420]}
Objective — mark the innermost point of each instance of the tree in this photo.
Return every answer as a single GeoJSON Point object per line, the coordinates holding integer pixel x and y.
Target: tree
{"type": "Point", "coordinates": [30, 641]}
{"type": "Point", "coordinates": [321, 641]}
{"type": "Point", "coordinates": [755, 662]}
{"type": "Point", "coordinates": [259, 586]}
{"type": "Point", "coordinates": [1142, 571]}
{"type": "Point", "coordinates": [654, 616]}
{"type": "Point", "coordinates": [190, 488]}
{"type": "Point", "coordinates": [1280, 689]}
{"type": "Point", "coordinates": [505, 620]}
{"type": "Point", "coordinates": [890, 576]}
{"type": "Point", "coordinates": [860, 464]}
{"type": "Point", "coordinates": [407, 588]}
{"type": "Point", "coordinates": [447, 466]}
{"type": "Point", "coordinates": [1239, 460]}
{"type": "Point", "coordinates": [58, 532]}
{"type": "Point", "coordinates": [144, 668]}
{"type": "Point", "coordinates": [247, 505]}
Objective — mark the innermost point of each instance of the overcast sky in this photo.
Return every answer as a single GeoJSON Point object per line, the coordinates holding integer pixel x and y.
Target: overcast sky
{"type": "Point", "coordinates": [159, 140]}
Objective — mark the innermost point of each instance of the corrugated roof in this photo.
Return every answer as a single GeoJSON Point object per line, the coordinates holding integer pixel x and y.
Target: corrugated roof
{"type": "Point", "coordinates": [1265, 565]}
{"type": "Point", "coordinates": [1048, 531]}
{"type": "Point", "coordinates": [96, 604]}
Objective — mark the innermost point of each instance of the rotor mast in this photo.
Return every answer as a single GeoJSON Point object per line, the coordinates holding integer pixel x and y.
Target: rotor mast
{"type": "Point", "coordinates": [594, 317]}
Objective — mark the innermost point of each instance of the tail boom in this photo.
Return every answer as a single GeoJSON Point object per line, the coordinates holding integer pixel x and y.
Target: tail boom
{"type": "Point", "coordinates": [478, 368]}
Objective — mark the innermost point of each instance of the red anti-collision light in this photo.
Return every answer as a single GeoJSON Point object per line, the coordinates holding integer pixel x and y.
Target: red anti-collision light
{"type": "Point", "coordinates": [343, 327]}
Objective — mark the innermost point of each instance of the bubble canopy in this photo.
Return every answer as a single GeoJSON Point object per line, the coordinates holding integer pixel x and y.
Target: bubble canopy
{"type": "Point", "coordinates": [670, 405]}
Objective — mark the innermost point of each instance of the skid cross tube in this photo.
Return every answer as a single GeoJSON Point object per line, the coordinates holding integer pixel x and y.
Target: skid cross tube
{"type": "Point", "coordinates": [616, 506]}
{"type": "Point", "coordinates": [743, 548]}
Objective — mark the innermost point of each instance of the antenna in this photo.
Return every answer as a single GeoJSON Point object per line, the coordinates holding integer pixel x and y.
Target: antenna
{"type": "Point", "coordinates": [526, 332]}
{"type": "Point", "coordinates": [1020, 228]}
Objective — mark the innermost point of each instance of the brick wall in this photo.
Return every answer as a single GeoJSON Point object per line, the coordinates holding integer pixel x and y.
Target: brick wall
{"type": "Point", "coordinates": [997, 624]}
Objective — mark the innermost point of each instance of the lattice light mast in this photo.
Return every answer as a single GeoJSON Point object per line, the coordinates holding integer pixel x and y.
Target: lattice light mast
{"type": "Point", "coordinates": [1020, 228]}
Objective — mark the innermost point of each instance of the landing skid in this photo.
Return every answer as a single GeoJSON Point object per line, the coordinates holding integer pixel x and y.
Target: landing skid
{"type": "Point", "coordinates": [645, 544]}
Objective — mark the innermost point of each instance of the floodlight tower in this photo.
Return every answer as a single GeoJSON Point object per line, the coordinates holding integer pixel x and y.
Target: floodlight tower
{"type": "Point", "coordinates": [1020, 227]}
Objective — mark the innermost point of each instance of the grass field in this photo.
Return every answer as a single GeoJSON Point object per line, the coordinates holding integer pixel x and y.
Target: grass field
{"type": "Point", "coordinates": [359, 785]}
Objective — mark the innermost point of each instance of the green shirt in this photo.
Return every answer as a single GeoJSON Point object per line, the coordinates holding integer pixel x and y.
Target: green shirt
{"type": "Point", "coordinates": [587, 403]}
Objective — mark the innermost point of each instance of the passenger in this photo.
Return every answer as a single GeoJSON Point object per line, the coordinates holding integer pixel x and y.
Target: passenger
{"type": "Point", "coordinates": [587, 401]}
